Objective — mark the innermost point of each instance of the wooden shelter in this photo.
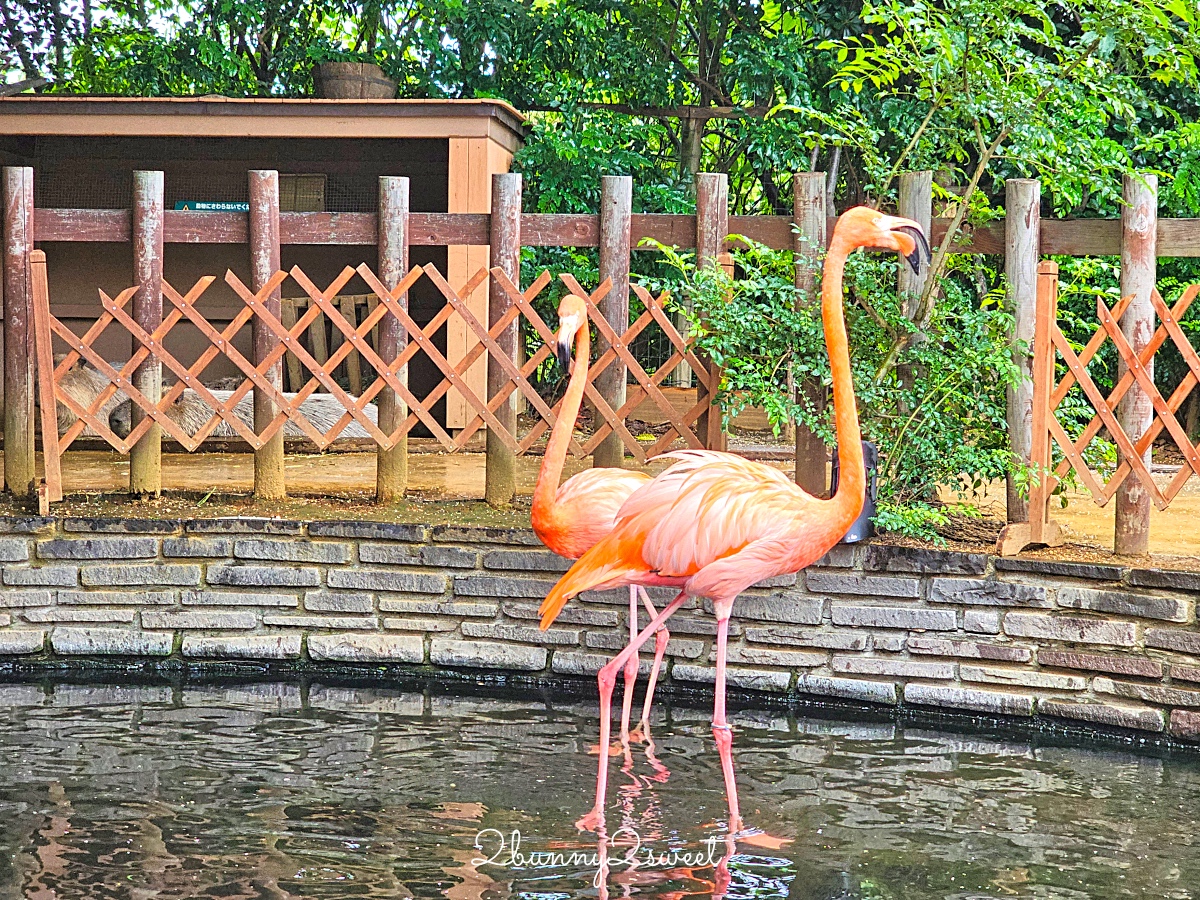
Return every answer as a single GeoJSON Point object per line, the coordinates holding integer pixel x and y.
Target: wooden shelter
{"type": "Point", "coordinates": [329, 153]}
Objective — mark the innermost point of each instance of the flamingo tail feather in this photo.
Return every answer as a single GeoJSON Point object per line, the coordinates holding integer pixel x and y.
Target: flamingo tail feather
{"type": "Point", "coordinates": [595, 570]}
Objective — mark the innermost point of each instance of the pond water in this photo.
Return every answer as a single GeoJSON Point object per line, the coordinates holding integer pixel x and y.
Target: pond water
{"type": "Point", "coordinates": [288, 790]}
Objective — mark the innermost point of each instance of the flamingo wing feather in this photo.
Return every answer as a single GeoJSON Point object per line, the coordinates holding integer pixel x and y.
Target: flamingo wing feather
{"type": "Point", "coordinates": [709, 507]}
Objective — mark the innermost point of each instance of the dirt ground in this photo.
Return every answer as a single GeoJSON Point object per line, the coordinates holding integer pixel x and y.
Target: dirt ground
{"type": "Point", "coordinates": [447, 487]}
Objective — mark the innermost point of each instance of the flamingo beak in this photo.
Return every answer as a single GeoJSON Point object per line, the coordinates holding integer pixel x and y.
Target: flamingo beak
{"type": "Point", "coordinates": [920, 247]}
{"type": "Point", "coordinates": [562, 349]}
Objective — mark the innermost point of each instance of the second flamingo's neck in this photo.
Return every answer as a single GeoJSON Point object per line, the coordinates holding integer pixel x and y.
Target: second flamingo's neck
{"type": "Point", "coordinates": [852, 477]}
{"type": "Point", "coordinates": [546, 490]}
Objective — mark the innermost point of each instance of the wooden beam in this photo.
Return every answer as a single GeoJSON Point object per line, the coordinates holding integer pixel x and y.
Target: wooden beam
{"type": "Point", "coordinates": [1081, 237]}
{"type": "Point", "coordinates": [391, 466]}
{"type": "Point", "coordinates": [145, 458]}
{"type": "Point", "coordinates": [261, 117]}
{"type": "Point", "coordinates": [682, 111]}
{"type": "Point", "coordinates": [99, 226]}
{"type": "Point", "coordinates": [205, 227]}
{"type": "Point", "coordinates": [287, 315]}
{"type": "Point", "coordinates": [348, 304]}
{"type": "Point", "coordinates": [1139, 215]}
{"type": "Point", "coordinates": [327, 228]}
{"type": "Point", "coordinates": [616, 209]}
{"type": "Point", "coordinates": [1065, 237]}
{"type": "Point", "coordinates": [264, 263]}
{"type": "Point", "coordinates": [809, 239]}
{"type": "Point", "coordinates": [456, 228]}
{"type": "Point", "coordinates": [19, 470]}
{"type": "Point", "coordinates": [558, 230]}
{"type": "Point", "coordinates": [500, 475]}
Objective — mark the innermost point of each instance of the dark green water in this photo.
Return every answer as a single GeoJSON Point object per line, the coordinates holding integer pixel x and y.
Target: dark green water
{"type": "Point", "coordinates": [265, 791]}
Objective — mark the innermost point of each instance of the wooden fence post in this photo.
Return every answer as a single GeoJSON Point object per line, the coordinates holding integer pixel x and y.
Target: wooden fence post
{"type": "Point", "coordinates": [1022, 242]}
{"type": "Point", "coordinates": [500, 478]}
{"type": "Point", "coordinates": [1139, 260]}
{"type": "Point", "coordinates": [51, 456]}
{"type": "Point", "coordinates": [145, 458]}
{"type": "Point", "coordinates": [264, 263]}
{"type": "Point", "coordinates": [1016, 536]}
{"type": "Point", "coordinates": [712, 227]}
{"type": "Point", "coordinates": [391, 467]}
{"type": "Point", "coordinates": [811, 226]}
{"type": "Point", "coordinates": [19, 460]}
{"type": "Point", "coordinates": [916, 203]}
{"type": "Point", "coordinates": [616, 211]}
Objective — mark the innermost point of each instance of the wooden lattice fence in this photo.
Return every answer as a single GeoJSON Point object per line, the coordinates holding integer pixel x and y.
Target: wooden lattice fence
{"type": "Point", "coordinates": [310, 374]}
{"type": "Point", "coordinates": [1049, 392]}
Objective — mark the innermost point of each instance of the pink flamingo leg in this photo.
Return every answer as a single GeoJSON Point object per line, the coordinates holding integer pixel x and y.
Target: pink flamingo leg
{"type": "Point", "coordinates": [631, 667]}
{"type": "Point", "coordinates": [661, 638]}
{"type": "Point", "coordinates": [607, 679]}
{"type": "Point", "coordinates": [721, 730]}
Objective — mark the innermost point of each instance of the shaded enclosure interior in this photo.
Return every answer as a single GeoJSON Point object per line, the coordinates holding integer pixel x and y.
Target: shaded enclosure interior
{"type": "Point", "coordinates": [316, 175]}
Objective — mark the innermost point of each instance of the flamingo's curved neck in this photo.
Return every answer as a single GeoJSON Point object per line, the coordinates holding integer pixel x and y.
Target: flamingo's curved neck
{"type": "Point", "coordinates": [546, 489]}
{"type": "Point", "coordinates": [852, 479]}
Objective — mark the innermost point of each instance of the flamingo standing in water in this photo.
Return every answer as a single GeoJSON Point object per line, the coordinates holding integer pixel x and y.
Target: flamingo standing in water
{"type": "Point", "coordinates": [572, 517]}
{"type": "Point", "coordinates": [714, 523]}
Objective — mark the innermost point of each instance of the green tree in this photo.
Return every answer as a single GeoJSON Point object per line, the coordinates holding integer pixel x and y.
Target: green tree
{"type": "Point", "coordinates": [1017, 78]}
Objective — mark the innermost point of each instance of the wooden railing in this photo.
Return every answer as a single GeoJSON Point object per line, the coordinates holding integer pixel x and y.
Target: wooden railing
{"type": "Point", "coordinates": [1049, 392]}
{"type": "Point", "coordinates": [379, 374]}
{"type": "Point", "coordinates": [1066, 237]}
{"type": "Point", "coordinates": [1023, 238]}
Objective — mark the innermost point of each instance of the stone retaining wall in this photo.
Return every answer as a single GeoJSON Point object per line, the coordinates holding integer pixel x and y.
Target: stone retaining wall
{"type": "Point", "coordinates": [1095, 644]}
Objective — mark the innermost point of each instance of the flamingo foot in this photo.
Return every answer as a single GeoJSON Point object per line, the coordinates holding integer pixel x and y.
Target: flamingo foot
{"type": "Point", "coordinates": [592, 821]}
{"type": "Point", "coordinates": [756, 837]}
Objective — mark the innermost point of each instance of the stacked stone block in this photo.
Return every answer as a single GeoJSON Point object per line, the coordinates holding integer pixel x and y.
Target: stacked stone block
{"type": "Point", "coordinates": [1096, 645]}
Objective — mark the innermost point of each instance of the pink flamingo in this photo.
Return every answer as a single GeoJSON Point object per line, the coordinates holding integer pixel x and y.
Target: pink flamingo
{"type": "Point", "coordinates": [714, 523]}
{"type": "Point", "coordinates": [571, 518]}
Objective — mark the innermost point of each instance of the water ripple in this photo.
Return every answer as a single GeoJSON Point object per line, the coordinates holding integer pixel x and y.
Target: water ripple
{"type": "Point", "coordinates": [265, 791]}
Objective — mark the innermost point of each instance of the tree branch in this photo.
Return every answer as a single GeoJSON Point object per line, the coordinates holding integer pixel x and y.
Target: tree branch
{"type": "Point", "coordinates": [912, 142]}
{"type": "Point", "coordinates": [938, 265]}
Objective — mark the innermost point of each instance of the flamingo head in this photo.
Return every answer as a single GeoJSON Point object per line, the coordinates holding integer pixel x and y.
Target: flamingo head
{"type": "Point", "coordinates": [866, 227]}
{"type": "Point", "coordinates": [572, 315]}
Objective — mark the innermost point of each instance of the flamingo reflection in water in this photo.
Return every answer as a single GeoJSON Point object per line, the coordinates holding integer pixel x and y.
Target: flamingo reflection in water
{"type": "Point", "coordinates": [638, 842]}
{"type": "Point", "coordinates": [714, 524]}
